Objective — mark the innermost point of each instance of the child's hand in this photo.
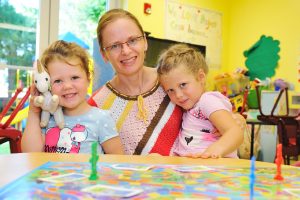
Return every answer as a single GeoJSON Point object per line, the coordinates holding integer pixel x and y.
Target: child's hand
{"type": "Point", "coordinates": [212, 151]}
{"type": "Point", "coordinates": [192, 155]}
{"type": "Point", "coordinates": [34, 93]}
{"type": "Point", "coordinates": [206, 154]}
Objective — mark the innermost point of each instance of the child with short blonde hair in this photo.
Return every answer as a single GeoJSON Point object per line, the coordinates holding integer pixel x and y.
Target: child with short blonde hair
{"type": "Point", "coordinates": [208, 127]}
{"type": "Point", "coordinates": [67, 64]}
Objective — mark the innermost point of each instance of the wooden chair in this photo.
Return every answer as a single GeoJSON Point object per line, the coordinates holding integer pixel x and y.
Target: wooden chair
{"type": "Point", "coordinates": [288, 128]}
{"type": "Point", "coordinates": [7, 132]}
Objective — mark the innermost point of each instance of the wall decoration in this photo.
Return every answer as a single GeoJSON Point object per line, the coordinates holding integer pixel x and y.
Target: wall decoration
{"type": "Point", "coordinates": [191, 24]}
{"type": "Point", "coordinates": [262, 58]}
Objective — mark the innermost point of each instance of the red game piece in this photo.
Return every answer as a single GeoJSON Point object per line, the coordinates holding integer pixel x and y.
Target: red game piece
{"type": "Point", "coordinates": [278, 162]}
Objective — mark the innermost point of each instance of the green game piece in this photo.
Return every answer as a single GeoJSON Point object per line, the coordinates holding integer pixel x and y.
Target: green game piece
{"type": "Point", "coordinates": [93, 160]}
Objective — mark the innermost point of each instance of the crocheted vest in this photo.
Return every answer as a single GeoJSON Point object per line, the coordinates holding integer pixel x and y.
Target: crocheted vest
{"type": "Point", "coordinates": [157, 134]}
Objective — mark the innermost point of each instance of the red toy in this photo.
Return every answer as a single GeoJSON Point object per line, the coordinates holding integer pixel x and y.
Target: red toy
{"type": "Point", "coordinates": [9, 133]}
{"type": "Point", "coordinates": [278, 162]}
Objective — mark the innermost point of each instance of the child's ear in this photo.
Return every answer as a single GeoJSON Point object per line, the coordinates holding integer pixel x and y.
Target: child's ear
{"type": "Point", "coordinates": [201, 75]}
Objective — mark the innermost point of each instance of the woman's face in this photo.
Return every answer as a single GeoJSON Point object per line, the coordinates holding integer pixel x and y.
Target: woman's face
{"type": "Point", "coordinates": [124, 46]}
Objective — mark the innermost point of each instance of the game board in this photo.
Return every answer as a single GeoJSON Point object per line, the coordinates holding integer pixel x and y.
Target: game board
{"type": "Point", "coordinates": [70, 180]}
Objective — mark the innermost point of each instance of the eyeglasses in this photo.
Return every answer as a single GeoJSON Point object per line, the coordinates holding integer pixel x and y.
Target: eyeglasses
{"type": "Point", "coordinates": [116, 48]}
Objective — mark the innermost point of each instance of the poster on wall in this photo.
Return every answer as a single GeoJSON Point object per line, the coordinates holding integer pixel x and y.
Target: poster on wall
{"type": "Point", "coordinates": [192, 24]}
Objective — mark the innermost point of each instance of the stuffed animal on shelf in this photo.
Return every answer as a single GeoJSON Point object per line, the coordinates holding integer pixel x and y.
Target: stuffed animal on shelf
{"type": "Point", "coordinates": [46, 101]}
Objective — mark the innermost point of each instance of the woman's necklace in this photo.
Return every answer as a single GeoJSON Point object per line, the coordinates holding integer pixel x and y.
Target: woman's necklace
{"type": "Point", "coordinates": [142, 111]}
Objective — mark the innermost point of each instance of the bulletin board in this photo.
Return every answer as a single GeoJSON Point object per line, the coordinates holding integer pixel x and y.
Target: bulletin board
{"type": "Point", "coordinates": [192, 24]}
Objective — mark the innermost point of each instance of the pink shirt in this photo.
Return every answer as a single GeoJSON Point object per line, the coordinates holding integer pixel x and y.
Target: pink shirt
{"type": "Point", "coordinates": [197, 132]}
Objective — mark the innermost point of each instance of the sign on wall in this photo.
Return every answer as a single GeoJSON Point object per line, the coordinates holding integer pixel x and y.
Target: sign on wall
{"type": "Point", "coordinates": [191, 24]}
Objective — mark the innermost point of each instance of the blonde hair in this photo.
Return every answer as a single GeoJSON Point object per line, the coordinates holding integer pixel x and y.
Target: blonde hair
{"type": "Point", "coordinates": [111, 16]}
{"type": "Point", "coordinates": [65, 51]}
{"type": "Point", "coordinates": [181, 54]}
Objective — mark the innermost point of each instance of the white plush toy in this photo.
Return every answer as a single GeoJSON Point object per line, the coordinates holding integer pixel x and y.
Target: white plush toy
{"type": "Point", "coordinates": [46, 101]}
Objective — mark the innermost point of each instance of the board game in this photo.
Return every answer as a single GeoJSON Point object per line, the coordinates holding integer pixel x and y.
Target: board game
{"type": "Point", "coordinates": [70, 180]}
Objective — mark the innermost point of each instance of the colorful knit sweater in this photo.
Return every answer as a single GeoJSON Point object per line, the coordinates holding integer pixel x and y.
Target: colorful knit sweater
{"type": "Point", "coordinates": [158, 134]}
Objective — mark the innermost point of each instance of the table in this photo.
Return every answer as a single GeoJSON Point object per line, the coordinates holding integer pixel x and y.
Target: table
{"type": "Point", "coordinates": [15, 165]}
{"type": "Point", "coordinates": [163, 180]}
{"type": "Point", "coordinates": [254, 122]}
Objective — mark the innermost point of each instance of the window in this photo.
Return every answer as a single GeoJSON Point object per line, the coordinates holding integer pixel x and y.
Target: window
{"type": "Point", "coordinates": [28, 27]}
{"type": "Point", "coordinates": [18, 22]}
{"type": "Point", "coordinates": [78, 21]}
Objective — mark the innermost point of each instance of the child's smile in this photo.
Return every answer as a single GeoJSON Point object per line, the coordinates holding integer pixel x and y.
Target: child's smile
{"type": "Point", "coordinates": [70, 83]}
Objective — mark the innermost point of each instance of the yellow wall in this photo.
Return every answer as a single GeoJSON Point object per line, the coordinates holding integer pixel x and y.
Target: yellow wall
{"type": "Point", "coordinates": [154, 23]}
{"type": "Point", "coordinates": [249, 19]}
{"type": "Point", "coordinates": [243, 22]}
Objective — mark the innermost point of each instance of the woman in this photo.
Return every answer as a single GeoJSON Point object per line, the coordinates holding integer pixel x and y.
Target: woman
{"type": "Point", "coordinates": [146, 119]}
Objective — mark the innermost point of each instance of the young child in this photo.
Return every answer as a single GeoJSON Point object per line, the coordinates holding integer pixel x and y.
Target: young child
{"type": "Point", "coordinates": [67, 65]}
{"type": "Point", "coordinates": [208, 127]}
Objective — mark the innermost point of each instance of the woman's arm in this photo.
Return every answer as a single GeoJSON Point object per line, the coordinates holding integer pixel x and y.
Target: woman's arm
{"type": "Point", "coordinates": [113, 146]}
{"type": "Point", "coordinates": [33, 140]}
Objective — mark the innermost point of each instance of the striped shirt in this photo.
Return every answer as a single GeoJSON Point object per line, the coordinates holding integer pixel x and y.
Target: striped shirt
{"type": "Point", "coordinates": [157, 134]}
